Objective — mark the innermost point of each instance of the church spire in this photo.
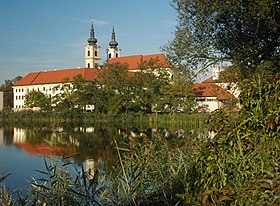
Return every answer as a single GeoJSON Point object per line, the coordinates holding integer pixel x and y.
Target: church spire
{"type": "Point", "coordinates": [113, 44]}
{"type": "Point", "coordinates": [92, 40]}
{"type": "Point", "coordinates": [113, 51]}
{"type": "Point", "coordinates": [92, 51]}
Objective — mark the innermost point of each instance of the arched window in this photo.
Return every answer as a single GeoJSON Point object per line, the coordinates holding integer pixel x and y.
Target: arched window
{"type": "Point", "coordinates": [88, 65]}
{"type": "Point", "coordinates": [95, 53]}
{"type": "Point", "coordinates": [110, 56]}
{"type": "Point", "coordinates": [116, 54]}
{"type": "Point", "coordinates": [88, 53]}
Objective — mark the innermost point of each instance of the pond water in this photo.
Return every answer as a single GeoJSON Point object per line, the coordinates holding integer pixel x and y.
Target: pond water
{"type": "Point", "coordinates": [22, 150]}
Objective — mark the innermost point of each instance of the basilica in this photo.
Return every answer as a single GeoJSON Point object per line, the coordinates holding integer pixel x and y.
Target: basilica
{"type": "Point", "coordinates": [92, 50]}
{"type": "Point", "coordinates": [210, 94]}
{"type": "Point", "coordinates": [46, 81]}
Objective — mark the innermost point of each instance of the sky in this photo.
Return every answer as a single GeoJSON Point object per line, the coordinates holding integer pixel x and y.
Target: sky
{"type": "Point", "coordinates": [38, 35]}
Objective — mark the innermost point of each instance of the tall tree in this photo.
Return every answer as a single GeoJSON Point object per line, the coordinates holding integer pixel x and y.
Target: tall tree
{"type": "Point", "coordinates": [243, 32]}
{"type": "Point", "coordinates": [115, 94]}
{"type": "Point", "coordinates": [7, 89]}
{"type": "Point", "coordinates": [39, 100]}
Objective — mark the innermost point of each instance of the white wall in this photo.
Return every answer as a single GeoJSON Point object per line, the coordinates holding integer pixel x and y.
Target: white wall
{"type": "Point", "coordinates": [207, 104]}
{"type": "Point", "coordinates": [1, 101]}
{"type": "Point", "coordinates": [21, 91]}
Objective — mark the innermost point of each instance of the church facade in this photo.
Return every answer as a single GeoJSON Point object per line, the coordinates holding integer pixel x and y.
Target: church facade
{"type": "Point", "coordinates": [47, 81]}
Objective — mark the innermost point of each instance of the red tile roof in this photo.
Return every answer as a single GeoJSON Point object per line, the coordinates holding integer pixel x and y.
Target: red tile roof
{"type": "Point", "coordinates": [226, 75]}
{"type": "Point", "coordinates": [135, 61]}
{"type": "Point", "coordinates": [212, 90]}
{"type": "Point", "coordinates": [48, 77]}
{"type": "Point", "coordinates": [89, 74]}
{"type": "Point", "coordinates": [41, 149]}
{"type": "Point", "coordinates": [209, 80]}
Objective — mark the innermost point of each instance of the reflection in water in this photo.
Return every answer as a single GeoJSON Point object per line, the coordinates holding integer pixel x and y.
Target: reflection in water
{"type": "Point", "coordinates": [90, 147]}
{"type": "Point", "coordinates": [79, 143]}
{"type": "Point", "coordinates": [1, 136]}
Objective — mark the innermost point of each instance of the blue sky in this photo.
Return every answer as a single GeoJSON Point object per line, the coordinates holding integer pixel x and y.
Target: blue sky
{"type": "Point", "coordinates": [37, 35]}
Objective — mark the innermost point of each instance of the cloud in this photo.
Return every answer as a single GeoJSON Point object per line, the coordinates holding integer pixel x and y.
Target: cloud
{"type": "Point", "coordinates": [87, 21]}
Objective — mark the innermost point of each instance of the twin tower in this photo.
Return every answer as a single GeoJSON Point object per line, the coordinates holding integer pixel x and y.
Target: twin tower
{"type": "Point", "coordinates": [92, 50]}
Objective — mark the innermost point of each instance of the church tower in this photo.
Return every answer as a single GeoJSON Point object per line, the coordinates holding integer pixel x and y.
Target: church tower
{"type": "Point", "coordinates": [113, 51]}
{"type": "Point", "coordinates": [92, 51]}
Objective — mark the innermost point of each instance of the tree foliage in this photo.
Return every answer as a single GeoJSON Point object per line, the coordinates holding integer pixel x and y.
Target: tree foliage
{"type": "Point", "coordinates": [117, 91]}
{"type": "Point", "coordinates": [243, 32]}
{"type": "Point", "coordinates": [36, 99]}
{"type": "Point", "coordinates": [240, 165]}
{"type": "Point", "coordinates": [7, 89]}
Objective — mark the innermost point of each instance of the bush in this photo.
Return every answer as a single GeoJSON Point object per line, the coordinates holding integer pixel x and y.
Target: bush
{"type": "Point", "coordinates": [240, 166]}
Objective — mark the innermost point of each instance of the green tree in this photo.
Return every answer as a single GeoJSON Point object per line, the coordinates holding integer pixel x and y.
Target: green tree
{"type": "Point", "coordinates": [148, 84]}
{"type": "Point", "coordinates": [245, 33]}
{"type": "Point", "coordinates": [85, 92]}
{"type": "Point", "coordinates": [65, 99]}
{"type": "Point", "coordinates": [7, 89]}
{"type": "Point", "coordinates": [115, 89]}
{"type": "Point", "coordinates": [178, 95]}
{"type": "Point", "coordinates": [38, 99]}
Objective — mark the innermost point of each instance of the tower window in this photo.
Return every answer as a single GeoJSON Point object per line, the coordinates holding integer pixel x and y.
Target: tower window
{"type": "Point", "coordinates": [95, 53]}
{"type": "Point", "coordinates": [88, 65]}
{"type": "Point", "coordinates": [116, 54]}
{"type": "Point", "coordinates": [110, 56]}
{"type": "Point", "coordinates": [88, 53]}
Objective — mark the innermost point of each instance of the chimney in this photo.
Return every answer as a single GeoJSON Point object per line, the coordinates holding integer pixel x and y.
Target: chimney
{"type": "Point", "coordinates": [216, 72]}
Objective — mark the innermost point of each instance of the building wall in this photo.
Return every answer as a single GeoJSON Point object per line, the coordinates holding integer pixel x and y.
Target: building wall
{"type": "Point", "coordinates": [207, 104]}
{"type": "Point", "coordinates": [1, 101]}
{"type": "Point", "coordinates": [90, 57]}
{"type": "Point", "coordinates": [21, 91]}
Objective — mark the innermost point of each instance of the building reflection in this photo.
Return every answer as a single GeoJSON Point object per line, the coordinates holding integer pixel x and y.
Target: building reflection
{"type": "Point", "coordinates": [1, 136]}
{"type": "Point", "coordinates": [92, 167]}
{"type": "Point", "coordinates": [87, 146]}
{"type": "Point", "coordinates": [19, 135]}
{"type": "Point", "coordinates": [82, 145]}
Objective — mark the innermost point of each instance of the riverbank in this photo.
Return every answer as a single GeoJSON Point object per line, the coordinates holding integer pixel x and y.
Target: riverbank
{"type": "Point", "coordinates": [27, 118]}
{"type": "Point", "coordinates": [240, 166]}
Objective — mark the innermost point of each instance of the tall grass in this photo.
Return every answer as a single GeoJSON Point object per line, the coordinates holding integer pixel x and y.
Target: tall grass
{"type": "Point", "coordinates": [25, 118]}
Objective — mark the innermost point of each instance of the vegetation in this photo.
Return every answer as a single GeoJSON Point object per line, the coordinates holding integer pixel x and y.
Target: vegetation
{"type": "Point", "coordinates": [243, 33]}
{"type": "Point", "coordinates": [240, 165]}
{"type": "Point", "coordinates": [7, 90]}
{"type": "Point", "coordinates": [118, 92]}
